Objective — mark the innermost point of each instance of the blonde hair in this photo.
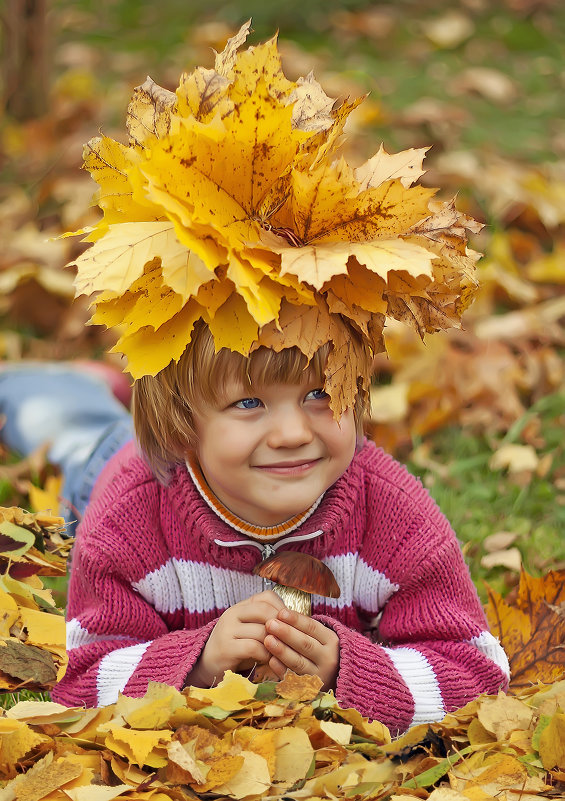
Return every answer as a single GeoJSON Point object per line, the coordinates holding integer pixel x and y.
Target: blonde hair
{"type": "Point", "coordinates": [163, 404]}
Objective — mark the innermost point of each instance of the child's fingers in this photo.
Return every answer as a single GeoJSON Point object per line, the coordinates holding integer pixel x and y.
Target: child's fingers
{"type": "Point", "coordinates": [249, 631]}
{"type": "Point", "coordinates": [257, 609]}
{"type": "Point", "coordinates": [249, 651]}
{"type": "Point", "coordinates": [277, 667]}
{"type": "Point", "coordinates": [269, 597]}
{"type": "Point", "coordinates": [289, 656]}
{"type": "Point", "coordinates": [306, 625]}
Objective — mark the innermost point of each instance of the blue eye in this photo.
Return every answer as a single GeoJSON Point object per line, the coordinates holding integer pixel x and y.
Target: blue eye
{"type": "Point", "coordinates": [318, 394]}
{"type": "Point", "coordinates": [248, 403]}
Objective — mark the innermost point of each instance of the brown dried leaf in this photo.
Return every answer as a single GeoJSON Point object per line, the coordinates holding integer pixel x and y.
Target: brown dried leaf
{"type": "Point", "coordinates": [33, 666]}
{"type": "Point", "coordinates": [149, 112]}
{"type": "Point", "coordinates": [299, 688]}
{"type": "Point", "coordinates": [46, 777]}
{"type": "Point", "coordinates": [532, 629]}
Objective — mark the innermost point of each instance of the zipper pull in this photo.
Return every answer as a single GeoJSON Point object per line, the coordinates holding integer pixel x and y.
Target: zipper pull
{"type": "Point", "coordinates": [267, 550]}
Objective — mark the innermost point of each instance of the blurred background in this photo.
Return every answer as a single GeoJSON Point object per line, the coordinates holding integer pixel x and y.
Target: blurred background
{"type": "Point", "coordinates": [477, 413]}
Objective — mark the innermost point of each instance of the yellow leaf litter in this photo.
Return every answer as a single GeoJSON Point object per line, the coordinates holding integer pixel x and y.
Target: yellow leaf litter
{"type": "Point", "coordinates": [32, 629]}
{"type": "Point", "coordinates": [246, 741]}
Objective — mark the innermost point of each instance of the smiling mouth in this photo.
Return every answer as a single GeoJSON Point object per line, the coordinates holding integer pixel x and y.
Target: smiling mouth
{"type": "Point", "coordinates": [288, 467]}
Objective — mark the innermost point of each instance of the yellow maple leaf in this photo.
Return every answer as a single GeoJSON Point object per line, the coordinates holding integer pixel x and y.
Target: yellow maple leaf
{"type": "Point", "coordinates": [117, 260]}
{"type": "Point", "coordinates": [144, 347]}
{"type": "Point", "coordinates": [233, 326]}
{"type": "Point", "coordinates": [108, 162]}
{"type": "Point", "coordinates": [328, 206]}
{"type": "Point", "coordinates": [227, 205]}
{"type": "Point", "coordinates": [319, 265]}
{"type": "Point", "coordinates": [405, 166]}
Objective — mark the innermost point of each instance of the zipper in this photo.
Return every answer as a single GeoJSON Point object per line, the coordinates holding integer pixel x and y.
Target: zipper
{"type": "Point", "coordinates": [270, 548]}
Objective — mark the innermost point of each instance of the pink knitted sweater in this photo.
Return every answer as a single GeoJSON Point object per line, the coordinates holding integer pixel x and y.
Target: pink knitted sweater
{"type": "Point", "coordinates": [151, 573]}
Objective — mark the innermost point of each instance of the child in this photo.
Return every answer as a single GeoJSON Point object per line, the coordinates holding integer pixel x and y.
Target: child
{"type": "Point", "coordinates": [161, 586]}
{"type": "Point", "coordinates": [250, 443]}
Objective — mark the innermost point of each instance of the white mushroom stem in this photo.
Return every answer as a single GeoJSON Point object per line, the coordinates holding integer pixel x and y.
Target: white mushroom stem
{"type": "Point", "coordinates": [298, 600]}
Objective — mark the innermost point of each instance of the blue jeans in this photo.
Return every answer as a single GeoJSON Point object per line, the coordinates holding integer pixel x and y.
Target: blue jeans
{"type": "Point", "coordinates": [72, 410]}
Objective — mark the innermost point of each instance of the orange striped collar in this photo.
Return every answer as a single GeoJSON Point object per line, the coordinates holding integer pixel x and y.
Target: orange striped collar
{"type": "Point", "coordinates": [265, 533]}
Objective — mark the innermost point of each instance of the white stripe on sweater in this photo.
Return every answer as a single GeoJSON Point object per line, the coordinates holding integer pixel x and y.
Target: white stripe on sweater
{"type": "Point", "coordinates": [419, 677]}
{"type": "Point", "coordinates": [77, 635]}
{"type": "Point", "coordinates": [200, 587]}
{"type": "Point", "coordinates": [195, 586]}
{"type": "Point", "coordinates": [115, 670]}
{"type": "Point", "coordinates": [492, 649]}
{"type": "Point", "coordinates": [360, 584]}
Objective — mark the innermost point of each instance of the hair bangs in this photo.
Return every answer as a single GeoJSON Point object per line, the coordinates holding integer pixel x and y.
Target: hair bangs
{"type": "Point", "coordinates": [163, 406]}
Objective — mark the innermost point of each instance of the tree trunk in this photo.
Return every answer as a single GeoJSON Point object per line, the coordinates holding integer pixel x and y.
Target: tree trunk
{"type": "Point", "coordinates": [25, 60]}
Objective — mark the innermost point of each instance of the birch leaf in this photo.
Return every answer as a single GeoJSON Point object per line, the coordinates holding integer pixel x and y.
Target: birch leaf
{"type": "Point", "coordinates": [251, 779]}
{"type": "Point", "coordinates": [229, 694]}
{"type": "Point", "coordinates": [40, 783]}
{"type": "Point", "coordinates": [139, 747]}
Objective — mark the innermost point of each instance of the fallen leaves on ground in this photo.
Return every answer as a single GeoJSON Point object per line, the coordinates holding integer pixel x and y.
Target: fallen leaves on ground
{"type": "Point", "coordinates": [288, 740]}
{"type": "Point", "coordinates": [531, 628]}
{"type": "Point", "coordinates": [32, 629]}
{"type": "Point", "coordinates": [247, 741]}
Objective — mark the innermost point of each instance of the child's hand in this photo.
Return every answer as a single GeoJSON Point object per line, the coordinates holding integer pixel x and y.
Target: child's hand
{"type": "Point", "coordinates": [236, 641]}
{"type": "Point", "coordinates": [303, 645]}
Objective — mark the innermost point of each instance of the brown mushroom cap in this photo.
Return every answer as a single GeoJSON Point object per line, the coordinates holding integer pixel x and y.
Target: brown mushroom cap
{"type": "Point", "coordinates": [301, 571]}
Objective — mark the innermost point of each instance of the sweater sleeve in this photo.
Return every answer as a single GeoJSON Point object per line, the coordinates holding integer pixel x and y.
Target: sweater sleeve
{"type": "Point", "coordinates": [431, 651]}
{"type": "Point", "coordinates": [116, 640]}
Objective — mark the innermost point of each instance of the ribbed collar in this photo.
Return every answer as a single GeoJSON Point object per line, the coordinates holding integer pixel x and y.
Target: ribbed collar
{"type": "Point", "coordinates": [262, 533]}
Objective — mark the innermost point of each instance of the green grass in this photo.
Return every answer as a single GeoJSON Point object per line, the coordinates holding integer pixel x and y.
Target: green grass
{"type": "Point", "coordinates": [398, 69]}
{"type": "Point", "coordinates": [8, 700]}
{"type": "Point", "coordinates": [479, 501]}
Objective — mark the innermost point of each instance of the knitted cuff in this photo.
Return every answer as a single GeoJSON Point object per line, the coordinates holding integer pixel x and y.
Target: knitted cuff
{"type": "Point", "coordinates": [368, 681]}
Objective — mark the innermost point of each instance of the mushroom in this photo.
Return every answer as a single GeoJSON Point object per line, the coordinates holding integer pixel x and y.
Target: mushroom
{"type": "Point", "coordinates": [296, 576]}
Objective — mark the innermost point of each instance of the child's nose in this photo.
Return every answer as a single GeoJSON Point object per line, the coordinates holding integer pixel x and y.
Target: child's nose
{"type": "Point", "coordinates": [289, 428]}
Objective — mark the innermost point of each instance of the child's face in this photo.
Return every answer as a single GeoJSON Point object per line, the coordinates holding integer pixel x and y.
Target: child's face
{"type": "Point", "coordinates": [270, 453]}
